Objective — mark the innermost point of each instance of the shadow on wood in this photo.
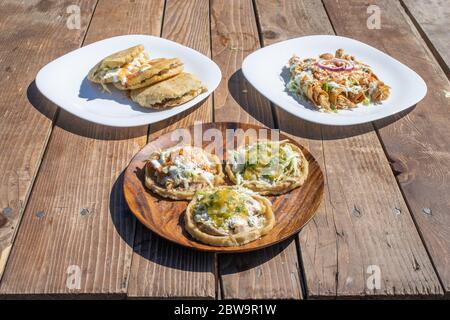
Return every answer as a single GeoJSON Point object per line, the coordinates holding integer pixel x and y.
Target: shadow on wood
{"type": "Point", "coordinates": [41, 103]}
{"type": "Point", "coordinates": [248, 97]}
{"type": "Point", "coordinates": [239, 262]}
{"type": "Point", "coordinates": [145, 242]}
{"type": "Point", "coordinates": [292, 210]}
{"type": "Point", "coordinates": [81, 127]}
{"type": "Point", "coordinates": [78, 126]}
{"type": "Point", "coordinates": [314, 131]}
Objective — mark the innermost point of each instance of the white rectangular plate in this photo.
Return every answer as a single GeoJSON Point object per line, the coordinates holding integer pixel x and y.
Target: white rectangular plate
{"type": "Point", "coordinates": [266, 70]}
{"type": "Point", "coordinates": [64, 82]}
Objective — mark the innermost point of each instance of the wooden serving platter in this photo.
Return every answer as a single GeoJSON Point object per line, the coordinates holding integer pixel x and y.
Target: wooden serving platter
{"type": "Point", "coordinates": [165, 217]}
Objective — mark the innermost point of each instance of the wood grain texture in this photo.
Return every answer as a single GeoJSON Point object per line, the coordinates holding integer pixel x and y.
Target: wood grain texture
{"type": "Point", "coordinates": [160, 268]}
{"type": "Point", "coordinates": [364, 220]}
{"type": "Point", "coordinates": [33, 34]}
{"type": "Point", "coordinates": [281, 20]}
{"type": "Point", "coordinates": [417, 144]}
{"type": "Point", "coordinates": [273, 272]}
{"type": "Point", "coordinates": [292, 210]}
{"type": "Point", "coordinates": [76, 215]}
{"type": "Point", "coordinates": [431, 18]}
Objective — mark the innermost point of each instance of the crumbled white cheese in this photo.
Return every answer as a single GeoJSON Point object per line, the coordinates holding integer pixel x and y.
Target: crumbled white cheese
{"type": "Point", "coordinates": [253, 221]}
{"type": "Point", "coordinates": [138, 64]}
{"type": "Point", "coordinates": [187, 167]}
{"type": "Point", "coordinates": [372, 87]}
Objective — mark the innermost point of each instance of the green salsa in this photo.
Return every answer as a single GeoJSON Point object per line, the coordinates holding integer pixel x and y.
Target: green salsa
{"type": "Point", "coordinates": [222, 205]}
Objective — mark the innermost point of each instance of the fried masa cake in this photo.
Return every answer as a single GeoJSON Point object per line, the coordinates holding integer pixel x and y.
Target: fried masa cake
{"type": "Point", "coordinates": [179, 172]}
{"type": "Point", "coordinates": [169, 93]}
{"type": "Point", "coordinates": [98, 73]}
{"type": "Point", "coordinates": [132, 69]}
{"type": "Point", "coordinates": [268, 167]}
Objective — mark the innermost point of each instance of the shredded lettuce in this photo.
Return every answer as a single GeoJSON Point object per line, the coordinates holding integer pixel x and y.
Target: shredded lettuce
{"type": "Point", "coordinates": [266, 161]}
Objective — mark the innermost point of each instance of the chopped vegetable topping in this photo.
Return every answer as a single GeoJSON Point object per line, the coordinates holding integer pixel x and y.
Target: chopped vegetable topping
{"type": "Point", "coordinates": [334, 82]}
{"type": "Point", "coordinates": [228, 210]}
{"type": "Point", "coordinates": [183, 167]}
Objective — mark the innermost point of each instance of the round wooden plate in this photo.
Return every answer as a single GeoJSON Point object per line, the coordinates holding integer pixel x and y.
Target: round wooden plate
{"type": "Point", "coordinates": [166, 217]}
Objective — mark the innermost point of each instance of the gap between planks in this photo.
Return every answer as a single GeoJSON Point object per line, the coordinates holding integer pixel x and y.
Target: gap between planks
{"type": "Point", "coordinates": [102, 133]}
{"type": "Point", "coordinates": [440, 61]}
{"type": "Point", "coordinates": [435, 248]}
{"type": "Point", "coordinates": [435, 50]}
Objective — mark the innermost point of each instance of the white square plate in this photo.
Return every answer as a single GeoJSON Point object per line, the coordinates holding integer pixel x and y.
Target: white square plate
{"type": "Point", "coordinates": [266, 70]}
{"type": "Point", "coordinates": [64, 82]}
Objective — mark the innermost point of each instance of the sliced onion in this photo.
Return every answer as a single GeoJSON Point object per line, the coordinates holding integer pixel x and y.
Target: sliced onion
{"type": "Point", "coordinates": [346, 65]}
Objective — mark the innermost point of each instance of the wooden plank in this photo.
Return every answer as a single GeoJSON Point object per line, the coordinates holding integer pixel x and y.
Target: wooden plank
{"type": "Point", "coordinates": [417, 144]}
{"type": "Point", "coordinates": [431, 18]}
{"type": "Point", "coordinates": [76, 219]}
{"type": "Point", "coordinates": [31, 36]}
{"type": "Point", "coordinates": [318, 240]}
{"type": "Point", "coordinates": [161, 269]}
{"type": "Point", "coordinates": [364, 220]}
{"type": "Point", "coordinates": [272, 272]}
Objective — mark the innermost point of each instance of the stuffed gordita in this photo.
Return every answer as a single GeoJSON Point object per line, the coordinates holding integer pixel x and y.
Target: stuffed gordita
{"type": "Point", "coordinates": [132, 69]}
{"type": "Point", "coordinates": [169, 93]}
{"type": "Point", "coordinates": [179, 172]}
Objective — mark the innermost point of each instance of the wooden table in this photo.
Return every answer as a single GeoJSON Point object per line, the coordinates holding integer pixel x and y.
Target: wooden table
{"type": "Point", "coordinates": [386, 205]}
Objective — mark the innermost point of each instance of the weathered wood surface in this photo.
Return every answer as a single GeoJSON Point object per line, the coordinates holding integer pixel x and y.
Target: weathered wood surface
{"type": "Point", "coordinates": [76, 215]}
{"type": "Point", "coordinates": [235, 35]}
{"type": "Point", "coordinates": [364, 213]}
{"type": "Point", "coordinates": [431, 17]}
{"type": "Point", "coordinates": [318, 240]}
{"type": "Point", "coordinates": [417, 145]}
{"type": "Point", "coordinates": [30, 38]}
{"type": "Point", "coordinates": [273, 272]}
{"type": "Point", "coordinates": [392, 217]}
{"type": "Point", "coordinates": [160, 268]}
